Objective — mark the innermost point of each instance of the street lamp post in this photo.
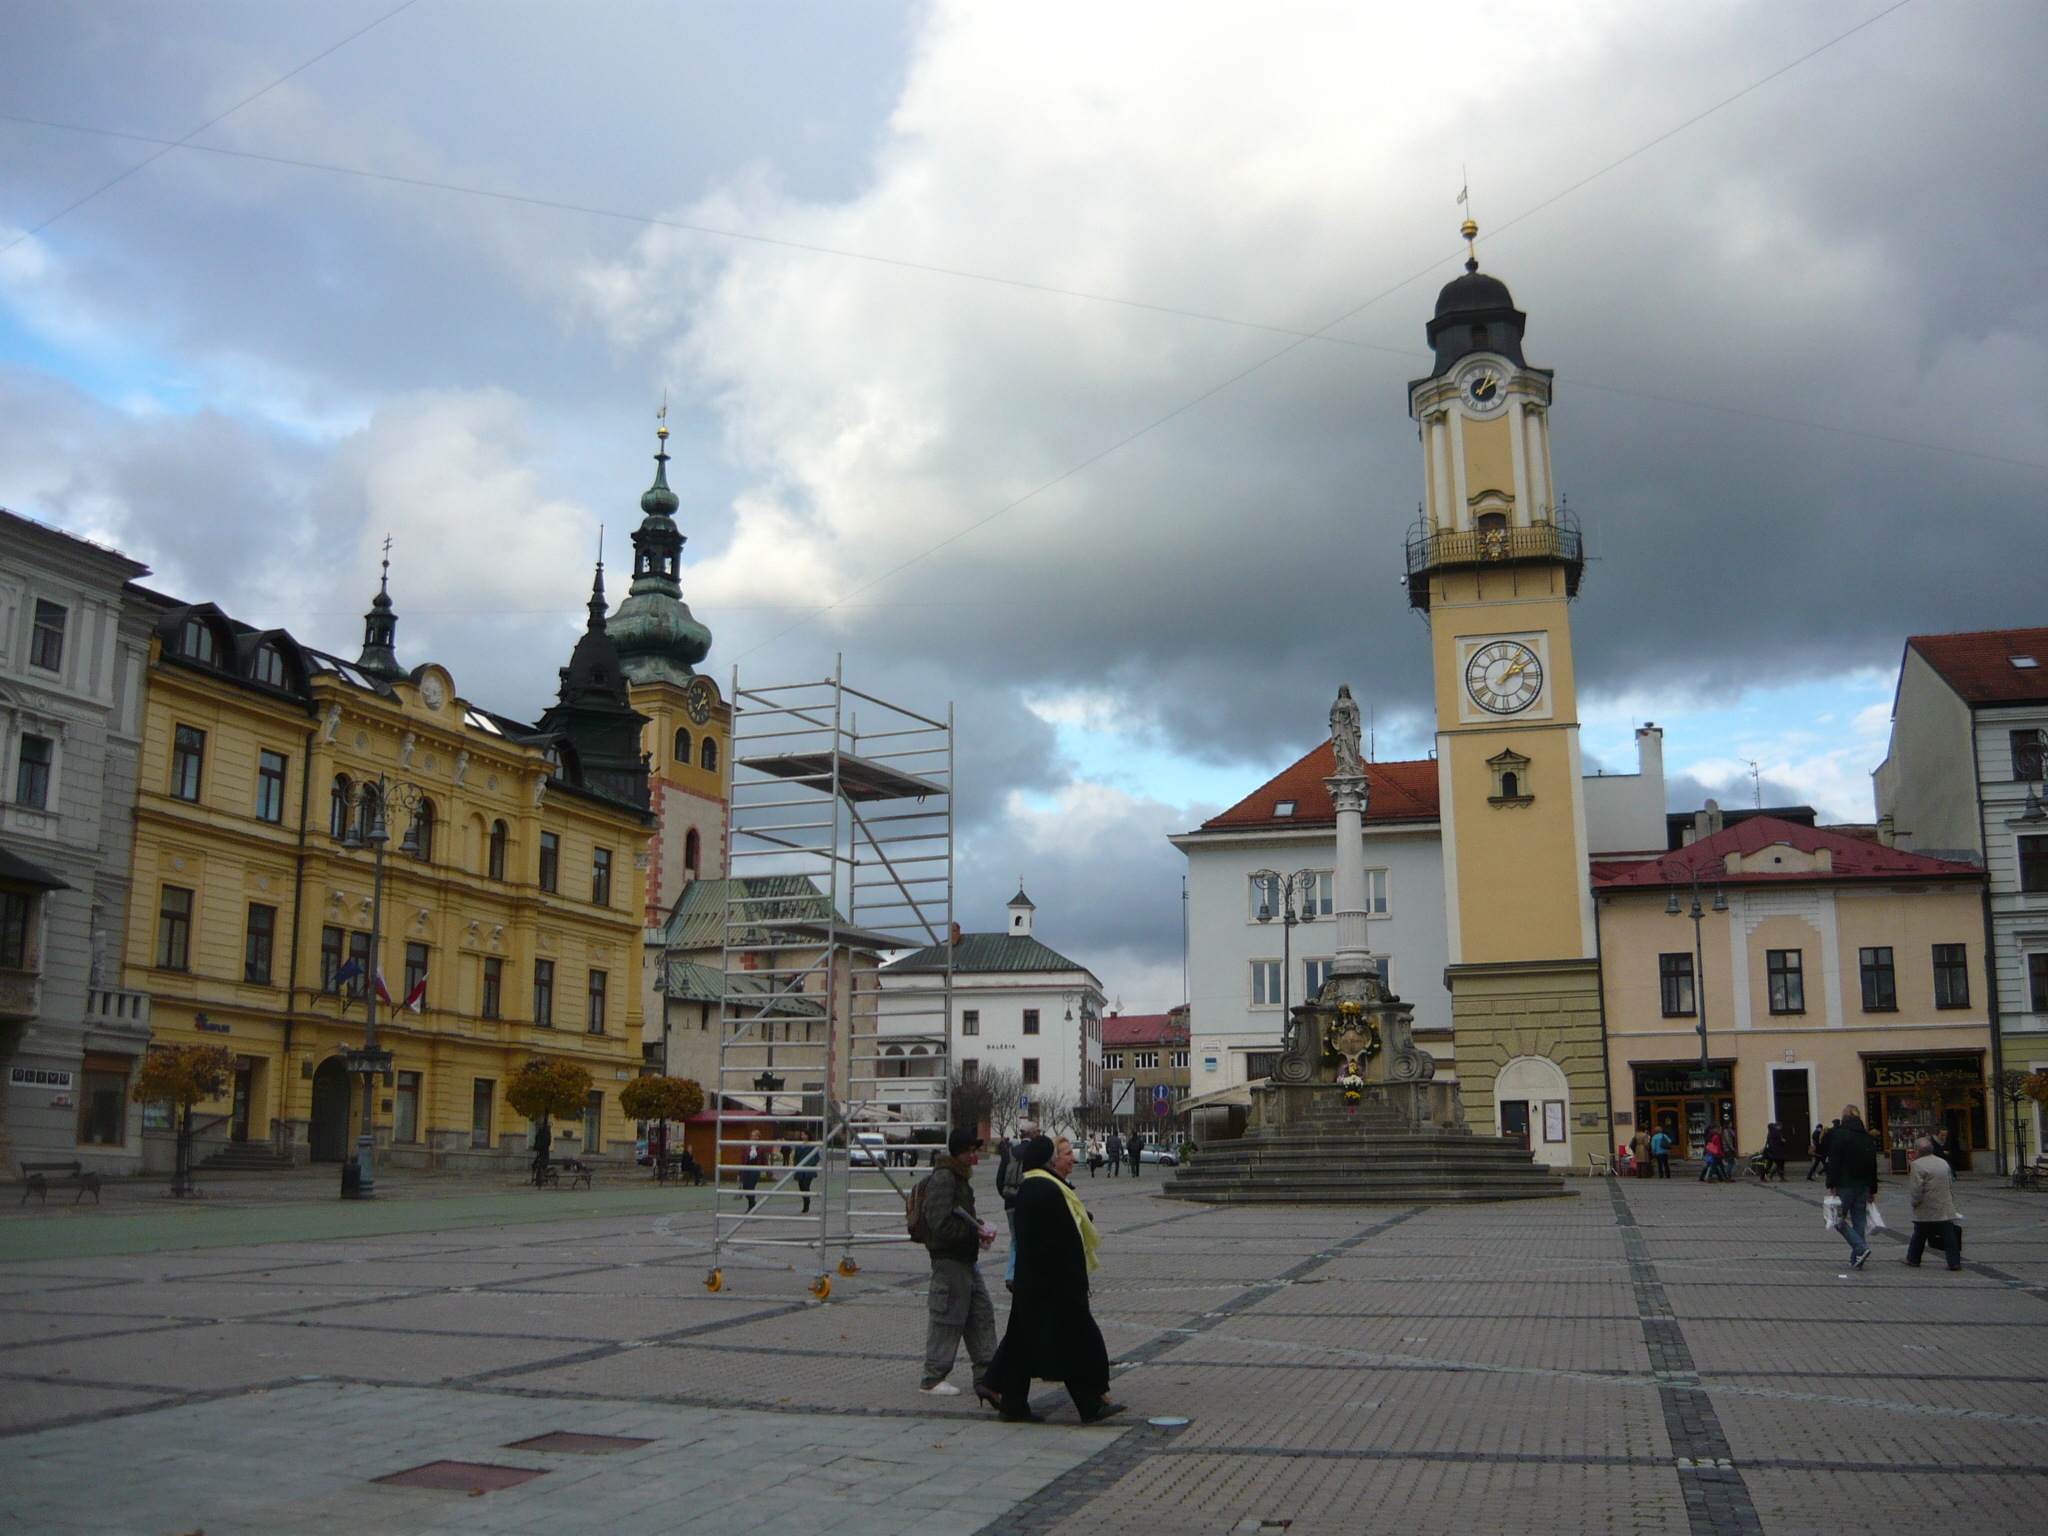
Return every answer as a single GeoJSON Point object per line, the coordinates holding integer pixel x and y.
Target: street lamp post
{"type": "Point", "coordinates": [1296, 895]}
{"type": "Point", "coordinates": [364, 808]}
{"type": "Point", "coordinates": [1704, 1078]}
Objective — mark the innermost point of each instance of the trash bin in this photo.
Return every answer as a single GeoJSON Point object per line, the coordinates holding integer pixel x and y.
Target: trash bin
{"type": "Point", "coordinates": [351, 1180]}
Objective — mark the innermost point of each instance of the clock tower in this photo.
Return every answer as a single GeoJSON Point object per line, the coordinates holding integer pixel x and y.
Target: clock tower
{"type": "Point", "coordinates": [1494, 563]}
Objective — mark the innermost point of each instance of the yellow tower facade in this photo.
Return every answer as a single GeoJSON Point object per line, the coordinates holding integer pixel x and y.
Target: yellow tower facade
{"type": "Point", "coordinates": [1495, 562]}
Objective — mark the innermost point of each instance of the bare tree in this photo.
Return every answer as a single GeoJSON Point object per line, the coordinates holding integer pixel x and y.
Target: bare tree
{"type": "Point", "coordinates": [990, 1097]}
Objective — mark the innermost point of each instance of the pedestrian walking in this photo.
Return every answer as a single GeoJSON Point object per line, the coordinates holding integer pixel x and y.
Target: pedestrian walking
{"type": "Point", "coordinates": [1775, 1148]}
{"type": "Point", "coordinates": [806, 1170]}
{"type": "Point", "coordinates": [1852, 1178]}
{"type": "Point", "coordinates": [543, 1139]}
{"type": "Point", "coordinates": [1052, 1335]}
{"type": "Point", "coordinates": [1716, 1150]}
{"type": "Point", "coordinates": [1116, 1154]}
{"type": "Point", "coordinates": [1132, 1148]}
{"type": "Point", "coordinates": [1932, 1195]}
{"type": "Point", "coordinates": [1639, 1153]}
{"type": "Point", "coordinates": [957, 1303]}
{"type": "Point", "coordinates": [1095, 1158]}
{"type": "Point", "coordinates": [1009, 1179]}
{"type": "Point", "coordinates": [1660, 1152]}
{"type": "Point", "coordinates": [1820, 1148]}
{"type": "Point", "coordinates": [752, 1161]}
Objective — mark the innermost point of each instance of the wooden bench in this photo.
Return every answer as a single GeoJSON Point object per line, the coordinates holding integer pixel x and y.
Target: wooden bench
{"type": "Point", "coordinates": [578, 1172]}
{"type": "Point", "coordinates": [35, 1180]}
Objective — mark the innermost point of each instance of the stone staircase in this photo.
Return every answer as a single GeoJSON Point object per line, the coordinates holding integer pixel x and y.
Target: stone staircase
{"type": "Point", "coordinates": [1366, 1156]}
{"type": "Point", "coordinates": [246, 1157]}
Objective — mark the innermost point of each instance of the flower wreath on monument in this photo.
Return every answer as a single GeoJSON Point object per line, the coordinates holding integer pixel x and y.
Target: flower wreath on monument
{"type": "Point", "coordinates": [1363, 1036]}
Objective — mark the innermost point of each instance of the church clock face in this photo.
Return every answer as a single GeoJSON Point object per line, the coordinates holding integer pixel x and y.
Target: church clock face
{"type": "Point", "coordinates": [699, 700]}
{"type": "Point", "coordinates": [1504, 677]}
{"type": "Point", "coordinates": [1484, 388]}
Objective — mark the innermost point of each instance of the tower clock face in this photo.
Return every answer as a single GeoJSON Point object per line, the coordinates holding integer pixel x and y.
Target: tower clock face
{"type": "Point", "coordinates": [1504, 677]}
{"type": "Point", "coordinates": [699, 700]}
{"type": "Point", "coordinates": [1484, 388]}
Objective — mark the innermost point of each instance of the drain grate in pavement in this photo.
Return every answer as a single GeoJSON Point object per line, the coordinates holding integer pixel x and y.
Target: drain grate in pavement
{"type": "Point", "coordinates": [462, 1476]}
{"type": "Point", "coordinates": [578, 1445]}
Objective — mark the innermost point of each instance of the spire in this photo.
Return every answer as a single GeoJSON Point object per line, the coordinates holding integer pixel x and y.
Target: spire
{"type": "Point", "coordinates": [659, 500]}
{"type": "Point", "coordinates": [597, 602]}
{"type": "Point", "coordinates": [380, 629]}
{"type": "Point", "coordinates": [659, 640]}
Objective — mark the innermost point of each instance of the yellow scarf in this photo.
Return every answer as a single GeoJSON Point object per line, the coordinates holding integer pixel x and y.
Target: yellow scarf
{"type": "Point", "coordinates": [1090, 1238]}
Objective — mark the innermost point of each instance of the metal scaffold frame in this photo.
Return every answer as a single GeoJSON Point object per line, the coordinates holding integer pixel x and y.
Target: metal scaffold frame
{"type": "Point", "coordinates": [839, 847]}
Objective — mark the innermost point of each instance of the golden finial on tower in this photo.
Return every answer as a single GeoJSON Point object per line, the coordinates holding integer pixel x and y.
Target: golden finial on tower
{"type": "Point", "coordinates": [1470, 228]}
{"type": "Point", "coordinates": [661, 416]}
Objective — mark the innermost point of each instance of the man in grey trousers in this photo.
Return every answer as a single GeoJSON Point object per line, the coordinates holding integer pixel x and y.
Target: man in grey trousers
{"type": "Point", "coordinates": [958, 1301]}
{"type": "Point", "coordinates": [1932, 1195]}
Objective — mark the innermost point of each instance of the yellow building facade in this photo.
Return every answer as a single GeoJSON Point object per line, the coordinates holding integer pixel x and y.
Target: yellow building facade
{"type": "Point", "coordinates": [1494, 563]}
{"type": "Point", "coordinates": [1829, 971]}
{"type": "Point", "coordinates": [512, 895]}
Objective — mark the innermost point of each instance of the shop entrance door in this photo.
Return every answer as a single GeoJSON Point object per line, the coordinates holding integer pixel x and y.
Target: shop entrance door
{"type": "Point", "coordinates": [1795, 1113]}
{"type": "Point", "coordinates": [1668, 1116]}
{"type": "Point", "coordinates": [1514, 1120]}
{"type": "Point", "coordinates": [328, 1133]}
{"type": "Point", "coordinates": [1957, 1121]}
{"type": "Point", "coordinates": [238, 1126]}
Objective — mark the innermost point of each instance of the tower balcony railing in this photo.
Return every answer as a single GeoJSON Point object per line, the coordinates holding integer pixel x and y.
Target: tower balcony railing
{"type": "Point", "coordinates": [1553, 542]}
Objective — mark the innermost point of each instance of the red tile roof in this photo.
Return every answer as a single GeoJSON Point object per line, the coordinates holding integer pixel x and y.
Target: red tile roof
{"type": "Point", "coordinates": [1979, 666]}
{"type": "Point", "coordinates": [1400, 792]}
{"type": "Point", "coordinates": [1854, 858]}
{"type": "Point", "coordinates": [1143, 1029]}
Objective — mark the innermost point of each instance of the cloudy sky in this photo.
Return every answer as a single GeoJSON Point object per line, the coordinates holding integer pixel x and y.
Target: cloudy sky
{"type": "Point", "coordinates": [1050, 358]}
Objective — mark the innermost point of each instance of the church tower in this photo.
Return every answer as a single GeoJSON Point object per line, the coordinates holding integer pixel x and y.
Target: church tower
{"type": "Point", "coordinates": [1495, 562]}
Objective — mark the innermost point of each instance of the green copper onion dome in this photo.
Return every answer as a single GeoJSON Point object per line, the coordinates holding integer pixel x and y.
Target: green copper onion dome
{"type": "Point", "coordinates": [657, 637]}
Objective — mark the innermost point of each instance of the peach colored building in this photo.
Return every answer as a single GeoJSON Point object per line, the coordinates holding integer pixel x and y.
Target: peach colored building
{"type": "Point", "coordinates": [1832, 970]}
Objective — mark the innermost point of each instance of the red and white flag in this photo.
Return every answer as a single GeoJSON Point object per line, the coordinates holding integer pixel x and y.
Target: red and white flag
{"type": "Point", "coordinates": [416, 999]}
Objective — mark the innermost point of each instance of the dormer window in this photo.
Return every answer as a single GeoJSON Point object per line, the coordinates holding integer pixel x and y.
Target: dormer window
{"type": "Point", "coordinates": [1283, 808]}
{"type": "Point", "coordinates": [268, 666]}
{"type": "Point", "coordinates": [2024, 663]}
{"type": "Point", "coordinates": [195, 641]}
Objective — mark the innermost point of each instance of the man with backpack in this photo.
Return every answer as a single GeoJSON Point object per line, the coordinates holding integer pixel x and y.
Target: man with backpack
{"type": "Point", "coordinates": [942, 1217]}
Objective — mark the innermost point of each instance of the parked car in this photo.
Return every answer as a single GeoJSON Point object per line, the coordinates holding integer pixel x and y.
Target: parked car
{"type": "Point", "coordinates": [1162, 1155]}
{"type": "Point", "coordinates": [869, 1150]}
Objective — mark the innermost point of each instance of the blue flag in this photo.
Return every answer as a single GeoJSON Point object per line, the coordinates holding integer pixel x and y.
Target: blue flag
{"type": "Point", "coordinates": [350, 970]}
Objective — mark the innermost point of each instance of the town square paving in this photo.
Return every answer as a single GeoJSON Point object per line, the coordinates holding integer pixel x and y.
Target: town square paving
{"type": "Point", "coordinates": [1644, 1356]}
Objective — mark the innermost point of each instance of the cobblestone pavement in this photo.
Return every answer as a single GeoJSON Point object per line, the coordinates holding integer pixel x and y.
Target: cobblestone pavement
{"type": "Point", "coordinates": [1643, 1357]}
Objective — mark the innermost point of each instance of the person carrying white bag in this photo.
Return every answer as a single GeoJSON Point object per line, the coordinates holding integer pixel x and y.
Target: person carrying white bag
{"type": "Point", "coordinates": [1852, 1178]}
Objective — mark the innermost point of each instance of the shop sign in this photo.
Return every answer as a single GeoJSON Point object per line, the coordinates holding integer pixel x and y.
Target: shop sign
{"type": "Point", "coordinates": [1905, 1073]}
{"type": "Point", "coordinates": [38, 1077]}
{"type": "Point", "coordinates": [1676, 1079]}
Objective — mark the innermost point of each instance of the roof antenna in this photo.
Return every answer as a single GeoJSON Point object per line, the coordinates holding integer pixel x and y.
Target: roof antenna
{"type": "Point", "coordinates": [1469, 229]}
{"type": "Point", "coordinates": [1756, 782]}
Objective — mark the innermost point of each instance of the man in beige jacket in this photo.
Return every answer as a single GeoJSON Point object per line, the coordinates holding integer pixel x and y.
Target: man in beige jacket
{"type": "Point", "coordinates": [1933, 1197]}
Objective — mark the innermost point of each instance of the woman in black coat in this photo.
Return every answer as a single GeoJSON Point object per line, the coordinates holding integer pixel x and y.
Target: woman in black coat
{"type": "Point", "coordinates": [1051, 1335]}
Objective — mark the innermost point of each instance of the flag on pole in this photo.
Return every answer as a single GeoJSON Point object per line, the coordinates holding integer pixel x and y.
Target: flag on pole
{"type": "Point", "coordinates": [416, 999]}
{"type": "Point", "coordinates": [349, 970]}
{"type": "Point", "coordinates": [1463, 193]}
{"type": "Point", "coordinates": [383, 992]}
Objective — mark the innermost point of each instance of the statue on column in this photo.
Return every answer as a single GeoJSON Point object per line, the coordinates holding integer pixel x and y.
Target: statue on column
{"type": "Point", "coordinates": [1344, 733]}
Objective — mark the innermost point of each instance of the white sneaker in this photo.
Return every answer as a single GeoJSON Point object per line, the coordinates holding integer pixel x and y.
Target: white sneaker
{"type": "Point", "coordinates": [940, 1389]}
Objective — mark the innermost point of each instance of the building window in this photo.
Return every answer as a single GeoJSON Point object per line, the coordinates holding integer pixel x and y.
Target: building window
{"type": "Point", "coordinates": [1375, 893]}
{"type": "Point", "coordinates": [600, 877]}
{"type": "Point", "coordinates": [1112, 1061]}
{"type": "Point", "coordinates": [496, 858]}
{"type": "Point", "coordinates": [1258, 1064]}
{"type": "Point", "coordinates": [188, 761]}
{"type": "Point", "coordinates": [2030, 755]}
{"type": "Point", "coordinates": [1313, 974]}
{"type": "Point", "coordinates": [369, 811]}
{"type": "Point", "coordinates": [174, 929]}
{"type": "Point", "coordinates": [550, 860]}
{"type": "Point", "coordinates": [2034, 863]}
{"type": "Point", "coordinates": [46, 643]}
{"type": "Point", "coordinates": [331, 941]}
{"type": "Point", "coordinates": [419, 837]}
{"type": "Point", "coordinates": [482, 1110]}
{"type": "Point", "coordinates": [359, 952]}
{"type": "Point", "coordinates": [493, 1005]}
{"type": "Point", "coordinates": [14, 909]}
{"type": "Point", "coordinates": [195, 641]}
{"type": "Point", "coordinates": [268, 666]}
{"type": "Point", "coordinates": [1030, 1065]}
{"type": "Point", "coordinates": [693, 851]}
{"type": "Point", "coordinates": [2037, 983]}
{"type": "Point", "coordinates": [270, 770]}
{"type": "Point", "coordinates": [1265, 983]}
{"type": "Point", "coordinates": [32, 773]}
{"type": "Point", "coordinates": [1320, 899]}
{"type": "Point", "coordinates": [599, 983]}
{"type": "Point", "coordinates": [1180, 1059]}
{"type": "Point", "coordinates": [682, 752]}
{"type": "Point", "coordinates": [1782, 969]}
{"type": "Point", "coordinates": [593, 1123]}
{"type": "Point", "coordinates": [1880, 980]}
{"type": "Point", "coordinates": [405, 1123]}
{"type": "Point", "coordinates": [1951, 976]}
{"type": "Point", "coordinates": [337, 807]}
{"type": "Point", "coordinates": [708, 757]}
{"type": "Point", "coordinates": [970, 1021]}
{"type": "Point", "coordinates": [416, 958]}
{"type": "Point", "coordinates": [1145, 1061]}
{"type": "Point", "coordinates": [970, 1068]}
{"type": "Point", "coordinates": [102, 1103]}
{"type": "Point", "coordinates": [1030, 1021]}
{"type": "Point", "coordinates": [258, 944]}
{"type": "Point", "coordinates": [544, 993]}
{"type": "Point", "coordinates": [1675, 983]}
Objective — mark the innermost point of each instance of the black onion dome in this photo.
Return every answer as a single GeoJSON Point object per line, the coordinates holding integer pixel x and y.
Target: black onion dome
{"type": "Point", "coordinates": [1475, 313]}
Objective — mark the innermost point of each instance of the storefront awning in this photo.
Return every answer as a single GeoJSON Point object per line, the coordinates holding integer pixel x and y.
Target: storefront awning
{"type": "Point", "coordinates": [18, 871]}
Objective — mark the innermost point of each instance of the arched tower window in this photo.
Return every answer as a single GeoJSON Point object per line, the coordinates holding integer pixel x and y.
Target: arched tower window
{"type": "Point", "coordinates": [709, 758]}
{"type": "Point", "coordinates": [682, 752]}
{"type": "Point", "coordinates": [693, 851]}
{"type": "Point", "coordinates": [1478, 338]}
{"type": "Point", "coordinates": [1492, 521]}
{"type": "Point", "coordinates": [337, 813]}
{"type": "Point", "coordinates": [500, 835]}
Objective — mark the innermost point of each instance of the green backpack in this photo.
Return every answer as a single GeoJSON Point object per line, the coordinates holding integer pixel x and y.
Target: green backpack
{"type": "Point", "coordinates": [914, 1212]}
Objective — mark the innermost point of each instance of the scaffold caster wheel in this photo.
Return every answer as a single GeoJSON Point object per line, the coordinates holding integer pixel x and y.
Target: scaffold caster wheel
{"type": "Point", "coordinates": [848, 1267]}
{"type": "Point", "coordinates": [822, 1287]}
{"type": "Point", "coordinates": [715, 1281]}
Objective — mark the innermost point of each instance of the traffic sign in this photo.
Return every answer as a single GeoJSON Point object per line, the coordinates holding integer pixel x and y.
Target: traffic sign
{"type": "Point", "coordinates": [1162, 1098]}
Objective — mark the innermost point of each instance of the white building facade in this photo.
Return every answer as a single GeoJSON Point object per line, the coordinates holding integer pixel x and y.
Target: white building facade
{"type": "Point", "coordinates": [1019, 1007]}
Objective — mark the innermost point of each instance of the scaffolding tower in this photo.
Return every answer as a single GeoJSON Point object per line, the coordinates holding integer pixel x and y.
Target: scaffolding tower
{"type": "Point", "coordinates": [839, 848]}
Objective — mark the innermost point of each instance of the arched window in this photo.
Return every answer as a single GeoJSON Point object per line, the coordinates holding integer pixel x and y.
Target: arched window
{"type": "Point", "coordinates": [1490, 522]}
{"type": "Point", "coordinates": [693, 851]}
{"type": "Point", "coordinates": [195, 641]}
{"type": "Point", "coordinates": [337, 814]}
{"type": "Point", "coordinates": [500, 835]}
{"type": "Point", "coordinates": [419, 837]}
{"type": "Point", "coordinates": [682, 752]}
{"type": "Point", "coordinates": [366, 811]}
{"type": "Point", "coordinates": [891, 1064]}
{"type": "Point", "coordinates": [268, 666]}
{"type": "Point", "coordinates": [709, 758]}
{"type": "Point", "coordinates": [1510, 786]}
